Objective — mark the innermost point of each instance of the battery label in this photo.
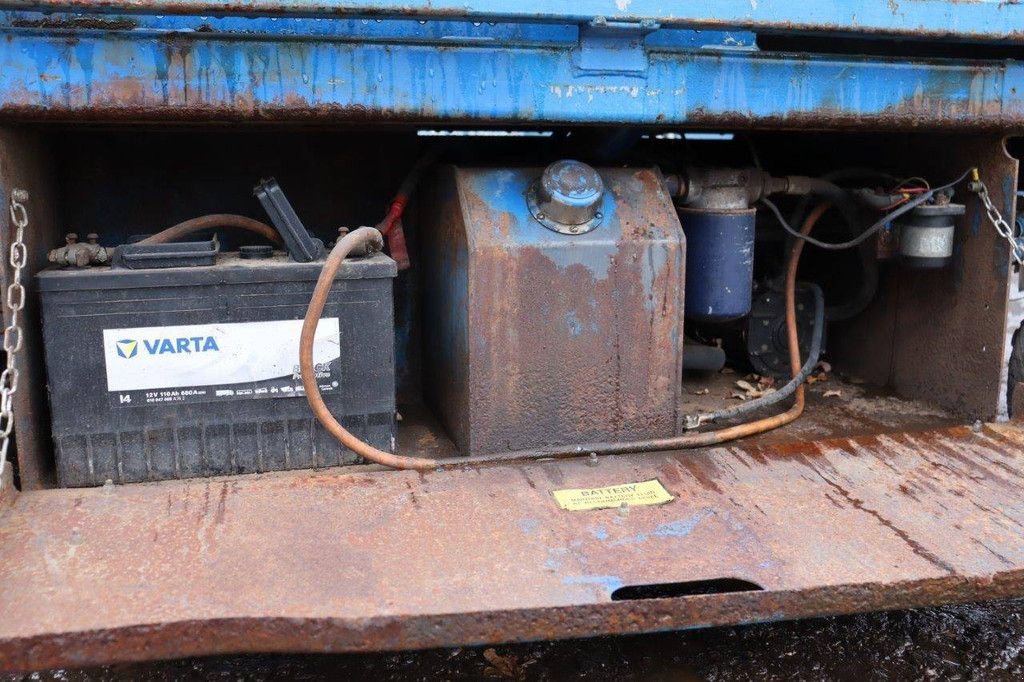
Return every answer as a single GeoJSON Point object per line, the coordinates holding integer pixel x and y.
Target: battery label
{"type": "Point", "coordinates": [631, 494]}
{"type": "Point", "coordinates": [211, 362]}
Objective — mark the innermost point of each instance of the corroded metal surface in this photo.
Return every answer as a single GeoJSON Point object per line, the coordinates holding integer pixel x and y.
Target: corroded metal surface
{"type": "Point", "coordinates": [950, 330]}
{"type": "Point", "coordinates": [352, 561]}
{"type": "Point", "coordinates": [580, 335]}
{"type": "Point", "coordinates": [200, 74]}
{"type": "Point", "coordinates": [918, 18]}
{"type": "Point", "coordinates": [941, 336]}
{"type": "Point", "coordinates": [25, 163]}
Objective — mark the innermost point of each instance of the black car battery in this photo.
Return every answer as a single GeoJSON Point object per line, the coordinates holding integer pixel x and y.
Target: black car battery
{"type": "Point", "coordinates": [190, 371]}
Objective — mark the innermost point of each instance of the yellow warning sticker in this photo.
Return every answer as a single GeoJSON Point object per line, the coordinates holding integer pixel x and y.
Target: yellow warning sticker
{"type": "Point", "coordinates": [631, 494]}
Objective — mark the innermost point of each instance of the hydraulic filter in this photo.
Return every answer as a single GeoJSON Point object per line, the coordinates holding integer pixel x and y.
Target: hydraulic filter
{"type": "Point", "coordinates": [719, 263]}
{"type": "Point", "coordinates": [926, 235]}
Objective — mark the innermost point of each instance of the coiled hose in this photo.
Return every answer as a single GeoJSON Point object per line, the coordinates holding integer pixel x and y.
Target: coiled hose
{"type": "Point", "coordinates": [371, 237]}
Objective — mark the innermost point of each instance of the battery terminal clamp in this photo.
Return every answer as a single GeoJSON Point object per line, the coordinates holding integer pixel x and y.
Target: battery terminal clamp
{"type": "Point", "coordinates": [76, 254]}
{"type": "Point", "coordinates": [301, 246]}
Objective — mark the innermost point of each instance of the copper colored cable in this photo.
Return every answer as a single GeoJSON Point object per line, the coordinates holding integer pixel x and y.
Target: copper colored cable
{"type": "Point", "coordinates": [689, 440]}
{"type": "Point", "coordinates": [371, 237]}
{"type": "Point", "coordinates": [206, 222]}
{"type": "Point", "coordinates": [705, 438]}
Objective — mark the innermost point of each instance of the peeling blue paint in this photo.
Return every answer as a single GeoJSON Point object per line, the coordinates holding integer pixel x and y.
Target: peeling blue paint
{"type": "Point", "coordinates": [405, 73]}
{"type": "Point", "coordinates": [629, 540]}
{"type": "Point", "coordinates": [504, 193]}
{"type": "Point", "coordinates": [554, 559]}
{"type": "Point", "coordinates": [529, 526]}
{"type": "Point", "coordinates": [920, 18]}
{"type": "Point", "coordinates": [671, 529]}
{"type": "Point", "coordinates": [572, 321]}
{"type": "Point", "coordinates": [655, 264]}
{"type": "Point", "coordinates": [682, 527]}
{"type": "Point", "coordinates": [609, 582]}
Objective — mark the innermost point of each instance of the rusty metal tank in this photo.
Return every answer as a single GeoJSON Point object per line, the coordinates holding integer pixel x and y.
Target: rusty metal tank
{"type": "Point", "coordinates": [553, 305]}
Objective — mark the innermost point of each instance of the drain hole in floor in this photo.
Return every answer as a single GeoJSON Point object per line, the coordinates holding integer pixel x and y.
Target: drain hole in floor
{"type": "Point", "coordinates": [689, 588]}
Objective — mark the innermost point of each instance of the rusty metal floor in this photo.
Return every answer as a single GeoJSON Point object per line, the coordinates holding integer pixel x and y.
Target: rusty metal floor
{"type": "Point", "coordinates": [367, 560]}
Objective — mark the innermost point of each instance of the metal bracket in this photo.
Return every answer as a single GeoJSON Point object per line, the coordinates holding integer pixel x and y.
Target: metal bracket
{"type": "Point", "coordinates": [614, 47]}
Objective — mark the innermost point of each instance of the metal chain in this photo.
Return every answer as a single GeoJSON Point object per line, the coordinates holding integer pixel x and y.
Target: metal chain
{"type": "Point", "coordinates": [13, 338]}
{"type": "Point", "coordinates": [1004, 228]}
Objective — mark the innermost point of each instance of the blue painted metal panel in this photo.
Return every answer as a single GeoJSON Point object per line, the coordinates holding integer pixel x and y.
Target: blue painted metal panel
{"type": "Point", "coordinates": [118, 74]}
{"type": "Point", "coordinates": [942, 19]}
{"type": "Point", "coordinates": [442, 32]}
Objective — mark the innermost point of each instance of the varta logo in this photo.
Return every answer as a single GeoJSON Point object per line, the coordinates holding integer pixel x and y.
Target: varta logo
{"type": "Point", "coordinates": [129, 348]}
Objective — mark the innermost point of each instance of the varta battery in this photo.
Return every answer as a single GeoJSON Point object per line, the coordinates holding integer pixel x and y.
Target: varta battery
{"type": "Point", "coordinates": [183, 370]}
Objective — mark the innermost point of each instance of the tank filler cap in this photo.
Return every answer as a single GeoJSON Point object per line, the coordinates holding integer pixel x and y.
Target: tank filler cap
{"type": "Point", "coordinates": [567, 198]}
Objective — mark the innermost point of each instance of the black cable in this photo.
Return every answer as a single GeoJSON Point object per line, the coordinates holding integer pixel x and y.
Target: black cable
{"type": "Point", "coordinates": [864, 236]}
{"type": "Point", "coordinates": [839, 175]}
{"type": "Point", "coordinates": [791, 386]}
{"type": "Point", "coordinates": [851, 218]}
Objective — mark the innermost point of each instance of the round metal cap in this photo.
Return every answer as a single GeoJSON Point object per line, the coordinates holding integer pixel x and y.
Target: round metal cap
{"type": "Point", "coordinates": [567, 197]}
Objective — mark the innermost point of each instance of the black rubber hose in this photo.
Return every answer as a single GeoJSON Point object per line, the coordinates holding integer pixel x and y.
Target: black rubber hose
{"type": "Point", "coordinates": [868, 233]}
{"type": "Point", "coordinates": [840, 175]}
{"type": "Point", "coordinates": [791, 386]}
{"type": "Point", "coordinates": [822, 188]}
{"type": "Point", "coordinates": [868, 258]}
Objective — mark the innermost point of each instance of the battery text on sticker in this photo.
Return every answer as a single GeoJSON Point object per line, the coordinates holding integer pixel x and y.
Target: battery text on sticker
{"type": "Point", "coordinates": [632, 494]}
